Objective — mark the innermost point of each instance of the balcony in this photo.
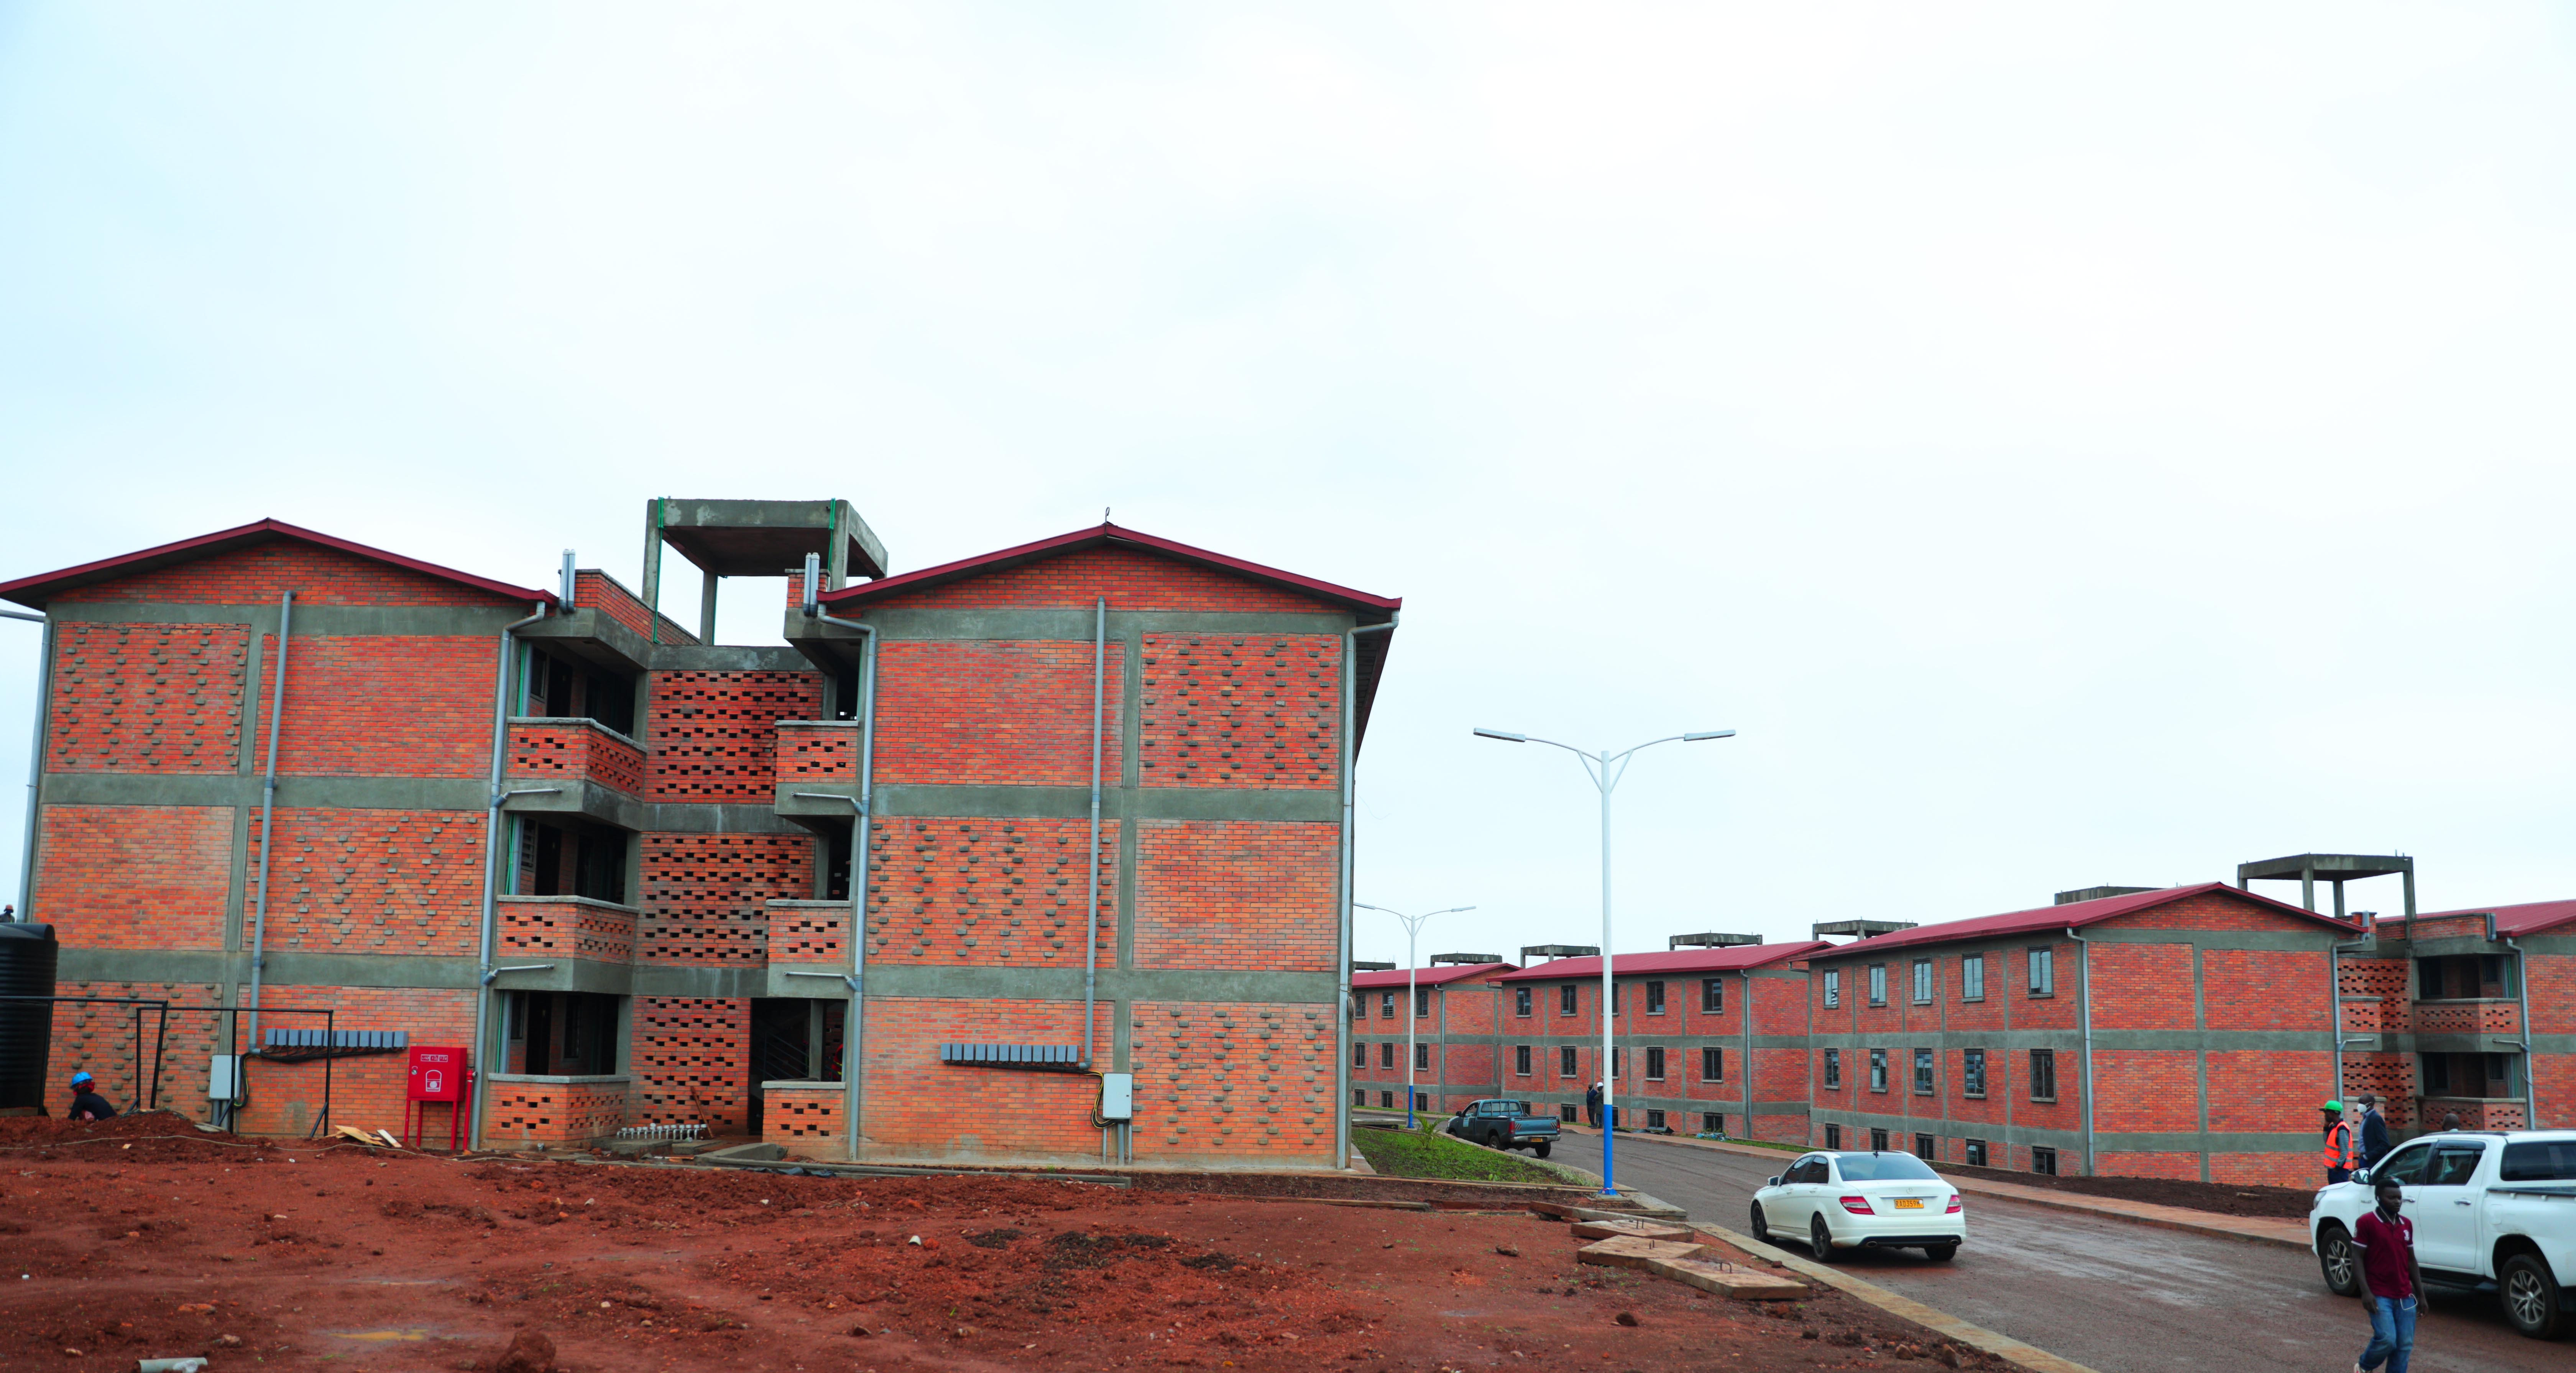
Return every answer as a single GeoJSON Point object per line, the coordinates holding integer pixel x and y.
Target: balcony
{"type": "Point", "coordinates": [803, 1117]}
{"type": "Point", "coordinates": [809, 948]}
{"type": "Point", "coordinates": [2484, 1016]}
{"type": "Point", "coordinates": [565, 751]}
{"type": "Point", "coordinates": [565, 927]}
{"type": "Point", "coordinates": [2476, 1113]}
{"type": "Point", "coordinates": [817, 765]}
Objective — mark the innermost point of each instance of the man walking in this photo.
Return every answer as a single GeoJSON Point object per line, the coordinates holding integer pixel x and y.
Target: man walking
{"type": "Point", "coordinates": [2389, 1281]}
{"type": "Point", "coordinates": [2342, 1151]}
{"type": "Point", "coordinates": [2374, 1131]}
{"type": "Point", "coordinates": [87, 1104]}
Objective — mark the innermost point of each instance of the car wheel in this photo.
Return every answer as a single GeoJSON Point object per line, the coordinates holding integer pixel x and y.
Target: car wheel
{"type": "Point", "coordinates": [1540, 1149]}
{"type": "Point", "coordinates": [1820, 1241]}
{"type": "Point", "coordinates": [2337, 1261]}
{"type": "Point", "coordinates": [1940, 1253]}
{"type": "Point", "coordinates": [2532, 1300]}
{"type": "Point", "coordinates": [1761, 1227]}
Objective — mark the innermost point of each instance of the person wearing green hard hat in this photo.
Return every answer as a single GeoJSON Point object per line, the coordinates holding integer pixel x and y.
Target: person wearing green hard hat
{"type": "Point", "coordinates": [2342, 1151]}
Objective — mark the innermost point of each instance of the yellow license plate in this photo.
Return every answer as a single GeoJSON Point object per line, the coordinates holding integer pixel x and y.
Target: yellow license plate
{"type": "Point", "coordinates": [1909, 1203]}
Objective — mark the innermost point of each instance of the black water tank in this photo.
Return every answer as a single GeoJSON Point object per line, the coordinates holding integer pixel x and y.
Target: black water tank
{"type": "Point", "coordinates": [27, 954]}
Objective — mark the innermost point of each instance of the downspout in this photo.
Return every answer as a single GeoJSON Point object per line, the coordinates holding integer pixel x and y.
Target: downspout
{"type": "Point", "coordinates": [491, 863]}
{"type": "Point", "coordinates": [1746, 1067]}
{"type": "Point", "coordinates": [1091, 928]}
{"type": "Point", "coordinates": [1342, 965]}
{"type": "Point", "coordinates": [2084, 971]}
{"type": "Point", "coordinates": [35, 761]}
{"type": "Point", "coordinates": [2334, 1000]}
{"type": "Point", "coordinates": [854, 1021]}
{"type": "Point", "coordinates": [268, 811]}
{"type": "Point", "coordinates": [2522, 979]}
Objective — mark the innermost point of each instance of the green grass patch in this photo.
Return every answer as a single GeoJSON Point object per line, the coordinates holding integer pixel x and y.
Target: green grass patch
{"type": "Point", "coordinates": [1399, 1154]}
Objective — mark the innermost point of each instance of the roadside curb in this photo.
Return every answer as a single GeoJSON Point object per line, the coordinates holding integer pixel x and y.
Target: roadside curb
{"type": "Point", "coordinates": [2000, 1345]}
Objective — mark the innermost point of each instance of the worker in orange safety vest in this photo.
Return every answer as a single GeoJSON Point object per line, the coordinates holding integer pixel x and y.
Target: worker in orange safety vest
{"type": "Point", "coordinates": [2342, 1151]}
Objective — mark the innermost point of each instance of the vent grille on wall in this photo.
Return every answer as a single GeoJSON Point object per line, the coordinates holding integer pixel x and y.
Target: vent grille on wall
{"type": "Point", "coordinates": [1061, 1058]}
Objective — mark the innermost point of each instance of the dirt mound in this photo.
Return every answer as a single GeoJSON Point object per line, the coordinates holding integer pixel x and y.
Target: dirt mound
{"type": "Point", "coordinates": [145, 1137]}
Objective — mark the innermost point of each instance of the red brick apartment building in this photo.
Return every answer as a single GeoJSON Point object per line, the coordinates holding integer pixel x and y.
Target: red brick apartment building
{"type": "Point", "coordinates": [2469, 1013]}
{"type": "Point", "coordinates": [615, 857]}
{"type": "Point", "coordinates": [1455, 1014]}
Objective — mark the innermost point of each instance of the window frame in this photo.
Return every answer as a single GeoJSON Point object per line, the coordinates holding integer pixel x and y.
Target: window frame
{"type": "Point", "coordinates": [1833, 1136]}
{"type": "Point", "coordinates": [1654, 998]}
{"type": "Point", "coordinates": [1927, 1147]}
{"type": "Point", "coordinates": [2040, 965]}
{"type": "Point", "coordinates": [1386, 1006]}
{"type": "Point", "coordinates": [1712, 1056]}
{"type": "Point", "coordinates": [1521, 1060]}
{"type": "Point", "coordinates": [1386, 1055]}
{"type": "Point", "coordinates": [1712, 1122]}
{"type": "Point", "coordinates": [1421, 1002]}
{"type": "Point", "coordinates": [1569, 999]}
{"type": "Point", "coordinates": [1972, 1074]}
{"type": "Point", "coordinates": [1924, 982]}
{"type": "Point", "coordinates": [2041, 1154]}
{"type": "Point", "coordinates": [1878, 1141]}
{"type": "Point", "coordinates": [1359, 1053]}
{"type": "Point", "coordinates": [1972, 977]}
{"type": "Point", "coordinates": [1422, 1055]}
{"type": "Point", "coordinates": [1878, 1070]}
{"type": "Point", "coordinates": [1655, 1120]}
{"type": "Point", "coordinates": [1712, 996]}
{"type": "Point", "coordinates": [1833, 1069]}
{"type": "Point", "coordinates": [1566, 1067]}
{"type": "Point", "coordinates": [1833, 985]}
{"type": "Point", "coordinates": [1521, 1001]}
{"type": "Point", "coordinates": [1976, 1152]}
{"type": "Point", "coordinates": [2043, 1065]}
{"type": "Point", "coordinates": [1927, 1073]}
{"type": "Point", "coordinates": [1654, 1063]}
{"type": "Point", "coordinates": [1878, 984]}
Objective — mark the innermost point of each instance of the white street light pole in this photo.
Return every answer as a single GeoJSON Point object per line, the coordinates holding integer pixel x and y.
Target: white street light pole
{"type": "Point", "coordinates": [1598, 766]}
{"type": "Point", "coordinates": [1412, 929]}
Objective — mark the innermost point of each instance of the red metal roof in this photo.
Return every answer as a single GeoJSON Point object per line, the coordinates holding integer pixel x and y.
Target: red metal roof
{"type": "Point", "coordinates": [1734, 958]}
{"type": "Point", "coordinates": [2510, 921]}
{"type": "Point", "coordinates": [1104, 536]}
{"type": "Point", "coordinates": [2075, 914]}
{"type": "Point", "coordinates": [37, 590]}
{"type": "Point", "coordinates": [1429, 977]}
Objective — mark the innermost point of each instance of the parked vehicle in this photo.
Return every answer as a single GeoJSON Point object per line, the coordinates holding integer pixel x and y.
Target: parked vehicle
{"type": "Point", "coordinates": [2493, 1212]}
{"type": "Point", "coordinates": [1499, 1123]}
{"type": "Point", "coordinates": [1873, 1200]}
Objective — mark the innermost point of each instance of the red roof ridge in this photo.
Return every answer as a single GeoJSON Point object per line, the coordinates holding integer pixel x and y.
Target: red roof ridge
{"type": "Point", "coordinates": [1732, 958]}
{"type": "Point", "coordinates": [1100, 535]}
{"type": "Point", "coordinates": [2073, 915]}
{"type": "Point", "coordinates": [37, 589]}
{"type": "Point", "coordinates": [2522, 917]}
{"type": "Point", "coordinates": [1377, 979]}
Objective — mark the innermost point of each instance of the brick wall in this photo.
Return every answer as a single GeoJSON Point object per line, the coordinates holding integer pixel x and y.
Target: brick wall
{"type": "Point", "coordinates": [1131, 580]}
{"type": "Point", "coordinates": [539, 1113]}
{"type": "Point", "coordinates": [814, 933]}
{"type": "Point", "coordinates": [714, 735]}
{"type": "Point", "coordinates": [147, 698]}
{"type": "Point", "coordinates": [596, 590]}
{"type": "Point", "coordinates": [706, 895]}
{"type": "Point", "coordinates": [135, 877]}
{"type": "Point", "coordinates": [2148, 986]}
{"type": "Point", "coordinates": [382, 706]}
{"type": "Point", "coordinates": [563, 927]}
{"type": "Point", "coordinates": [103, 1040]}
{"type": "Point", "coordinates": [1250, 895]}
{"type": "Point", "coordinates": [988, 892]}
{"type": "Point", "coordinates": [690, 1058]}
{"type": "Point", "coordinates": [260, 575]}
{"type": "Point", "coordinates": [2264, 989]}
{"type": "Point", "coordinates": [574, 751]}
{"type": "Point", "coordinates": [367, 1090]}
{"type": "Point", "coordinates": [913, 1100]}
{"type": "Point", "coordinates": [1259, 711]}
{"type": "Point", "coordinates": [972, 711]}
{"type": "Point", "coordinates": [817, 751]}
{"type": "Point", "coordinates": [373, 881]}
{"type": "Point", "coordinates": [807, 1120]}
{"type": "Point", "coordinates": [1237, 1078]}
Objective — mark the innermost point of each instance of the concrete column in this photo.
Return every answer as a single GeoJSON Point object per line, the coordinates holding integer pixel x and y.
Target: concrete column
{"type": "Point", "coordinates": [707, 613]}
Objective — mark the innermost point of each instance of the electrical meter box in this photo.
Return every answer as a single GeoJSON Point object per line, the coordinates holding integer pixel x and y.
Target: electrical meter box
{"type": "Point", "coordinates": [437, 1074]}
{"type": "Point", "coordinates": [1117, 1096]}
{"type": "Point", "coordinates": [223, 1079]}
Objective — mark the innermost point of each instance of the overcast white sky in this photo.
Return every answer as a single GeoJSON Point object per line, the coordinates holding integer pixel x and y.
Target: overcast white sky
{"type": "Point", "coordinates": [2073, 444]}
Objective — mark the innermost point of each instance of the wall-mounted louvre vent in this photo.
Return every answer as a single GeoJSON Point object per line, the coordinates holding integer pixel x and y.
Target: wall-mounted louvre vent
{"type": "Point", "coordinates": [339, 1039]}
{"type": "Point", "coordinates": [1060, 1058]}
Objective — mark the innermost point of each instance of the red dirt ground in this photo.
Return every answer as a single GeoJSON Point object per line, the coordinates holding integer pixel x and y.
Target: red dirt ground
{"type": "Point", "coordinates": [144, 1238]}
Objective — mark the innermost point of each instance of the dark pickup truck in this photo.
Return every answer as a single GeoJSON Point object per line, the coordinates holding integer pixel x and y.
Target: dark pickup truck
{"type": "Point", "coordinates": [1503, 1124]}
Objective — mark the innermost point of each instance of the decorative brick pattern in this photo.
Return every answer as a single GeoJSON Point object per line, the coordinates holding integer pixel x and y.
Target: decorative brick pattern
{"type": "Point", "coordinates": [706, 895]}
{"type": "Point", "coordinates": [987, 893]}
{"type": "Point", "coordinates": [1248, 895]}
{"type": "Point", "coordinates": [912, 1098]}
{"type": "Point", "coordinates": [593, 589]}
{"type": "Point", "coordinates": [135, 877]}
{"type": "Point", "coordinates": [1233, 1078]}
{"type": "Point", "coordinates": [259, 575]}
{"type": "Point", "coordinates": [2468, 1017]}
{"type": "Point", "coordinates": [817, 751]}
{"type": "Point", "coordinates": [805, 1116]}
{"type": "Point", "coordinates": [555, 1112]}
{"type": "Point", "coordinates": [382, 706]}
{"type": "Point", "coordinates": [975, 711]}
{"type": "Point", "coordinates": [571, 751]}
{"type": "Point", "coordinates": [715, 734]}
{"type": "Point", "coordinates": [1231, 710]}
{"type": "Point", "coordinates": [564, 927]}
{"type": "Point", "coordinates": [102, 1040]}
{"type": "Point", "coordinates": [373, 881]}
{"type": "Point", "coordinates": [691, 1061]}
{"type": "Point", "coordinates": [2385, 978]}
{"type": "Point", "coordinates": [1130, 579]}
{"type": "Point", "coordinates": [814, 932]}
{"type": "Point", "coordinates": [2478, 1113]}
{"type": "Point", "coordinates": [147, 698]}
{"type": "Point", "coordinates": [2392, 1076]}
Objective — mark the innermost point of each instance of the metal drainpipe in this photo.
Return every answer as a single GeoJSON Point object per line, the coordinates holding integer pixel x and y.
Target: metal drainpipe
{"type": "Point", "coordinates": [2334, 1002]}
{"type": "Point", "coordinates": [1746, 1067]}
{"type": "Point", "coordinates": [1342, 967]}
{"type": "Point", "coordinates": [2084, 965]}
{"type": "Point", "coordinates": [2522, 979]}
{"type": "Point", "coordinates": [268, 811]}
{"type": "Point", "coordinates": [854, 1021]}
{"type": "Point", "coordinates": [475, 1057]}
{"type": "Point", "coordinates": [35, 761]}
{"type": "Point", "coordinates": [1091, 929]}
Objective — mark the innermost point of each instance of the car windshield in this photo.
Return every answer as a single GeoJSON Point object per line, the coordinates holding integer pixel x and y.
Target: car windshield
{"type": "Point", "coordinates": [1885, 1168]}
{"type": "Point", "coordinates": [2540, 1160]}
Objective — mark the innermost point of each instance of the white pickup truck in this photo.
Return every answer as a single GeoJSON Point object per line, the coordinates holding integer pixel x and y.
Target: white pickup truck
{"type": "Point", "coordinates": [2492, 1212]}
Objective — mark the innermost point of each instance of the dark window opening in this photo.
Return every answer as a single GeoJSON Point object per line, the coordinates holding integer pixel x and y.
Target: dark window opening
{"type": "Point", "coordinates": [1654, 1065]}
{"type": "Point", "coordinates": [2043, 1161]}
{"type": "Point", "coordinates": [1833, 1067]}
{"type": "Point", "coordinates": [1976, 1153]}
{"type": "Point", "coordinates": [1654, 998]}
{"type": "Point", "coordinates": [1565, 1113]}
{"type": "Point", "coordinates": [1654, 1120]}
{"type": "Point", "coordinates": [1386, 1054]}
{"type": "Point", "coordinates": [1565, 999]}
{"type": "Point", "coordinates": [1565, 1063]}
{"type": "Point", "coordinates": [1878, 1140]}
{"type": "Point", "coordinates": [1521, 1060]}
{"type": "Point", "coordinates": [562, 688]}
{"type": "Point", "coordinates": [2043, 1075]}
{"type": "Point", "coordinates": [1712, 1065]}
{"type": "Point", "coordinates": [1926, 1147]}
{"type": "Point", "coordinates": [1712, 1122]}
{"type": "Point", "coordinates": [845, 694]}
{"type": "Point", "coordinates": [1520, 1001]}
{"type": "Point", "coordinates": [558, 859]}
{"type": "Point", "coordinates": [1712, 995]}
{"type": "Point", "coordinates": [1421, 1002]}
{"type": "Point", "coordinates": [1386, 1099]}
{"type": "Point", "coordinates": [1833, 1136]}
{"type": "Point", "coordinates": [794, 1039]}
{"type": "Point", "coordinates": [1923, 1072]}
{"type": "Point", "coordinates": [559, 1034]}
{"type": "Point", "coordinates": [1973, 1072]}
{"type": "Point", "coordinates": [1421, 1055]}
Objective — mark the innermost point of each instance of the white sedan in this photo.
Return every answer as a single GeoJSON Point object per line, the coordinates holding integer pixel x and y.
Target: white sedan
{"type": "Point", "coordinates": [1843, 1200]}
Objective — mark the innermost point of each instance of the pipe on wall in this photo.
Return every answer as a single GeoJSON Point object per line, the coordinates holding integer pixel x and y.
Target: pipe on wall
{"type": "Point", "coordinates": [1091, 929]}
{"type": "Point", "coordinates": [2084, 999]}
{"type": "Point", "coordinates": [475, 1057]}
{"type": "Point", "coordinates": [1342, 965]}
{"type": "Point", "coordinates": [35, 761]}
{"type": "Point", "coordinates": [2522, 981]}
{"type": "Point", "coordinates": [854, 1020]}
{"type": "Point", "coordinates": [2334, 1001]}
{"type": "Point", "coordinates": [268, 811]}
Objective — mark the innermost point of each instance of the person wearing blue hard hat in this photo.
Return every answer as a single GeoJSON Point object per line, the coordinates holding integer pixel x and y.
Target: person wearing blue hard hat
{"type": "Point", "coordinates": [87, 1104]}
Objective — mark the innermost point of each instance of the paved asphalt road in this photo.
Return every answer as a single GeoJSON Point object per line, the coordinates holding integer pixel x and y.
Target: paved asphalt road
{"type": "Point", "coordinates": [2117, 1296]}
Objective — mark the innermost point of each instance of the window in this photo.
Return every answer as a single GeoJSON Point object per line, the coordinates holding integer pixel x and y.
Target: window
{"type": "Point", "coordinates": [560, 860]}
{"type": "Point", "coordinates": [1422, 1101]}
{"type": "Point", "coordinates": [1654, 1065]}
{"type": "Point", "coordinates": [1972, 977]}
{"type": "Point", "coordinates": [1565, 999]}
{"type": "Point", "coordinates": [1421, 1002]}
{"type": "Point", "coordinates": [1565, 1060]}
{"type": "Point", "coordinates": [1972, 1073]}
{"type": "Point", "coordinates": [1878, 1070]}
{"type": "Point", "coordinates": [1618, 995]}
{"type": "Point", "coordinates": [1359, 1096]}
{"type": "Point", "coordinates": [1925, 1147]}
{"type": "Point", "coordinates": [1619, 1061]}
{"type": "Point", "coordinates": [1833, 1067]}
{"type": "Point", "coordinates": [2043, 972]}
{"type": "Point", "coordinates": [1520, 1001]}
{"type": "Point", "coordinates": [2499, 1070]}
{"type": "Point", "coordinates": [1712, 1122]}
{"type": "Point", "coordinates": [1386, 1006]}
{"type": "Point", "coordinates": [1886, 1167]}
{"type": "Point", "coordinates": [2405, 1166]}
{"type": "Point", "coordinates": [1565, 1113]}
{"type": "Point", "coordinates": [2043, 1075]}
{"type": "Point", "coordinates": [1386, 1099]}
{"type": "Point", "coordinates": [2437, 1074]}
{"type": "Point", "coordinates": [1712, 1065]}
{"type": "Point", "coordinates": [571, 1034]}
{"type": "Point", "coordinates": [1655, 1120]}
{"type": "Point", "coordinates": [1421, 1055]}
{"type": "Point", "coordinates": [1878, 984]}
{"type": "Point", "coordinates": [2539, 1160]}
{"type": "Point", "coordinates": [1923, 1072]}
{"type": "Point", "coordinates": [1922, 982]}
{"type": "Point", "coordinates": [1654, 998]}
{"type": "Point", "coordinates": [1386, 1054]}
{"type": "Point", "coordinates": [2454, 1164]}
{"type": "Point", "coordinates": [560, 689]}
{"type": "Point", "coordinates": [1878, 1141]}
{"type": "Point", "coordinates": [1520, 1060]}
{"type": "Point", "coordinates": [2043, 1161]}
{"type": "Point", "coordinates": [1833, 1136]}
{"type": "Point", "coordinates": [1712, 995]}
{"type": "Point", "coordinates": [1976, 1153]}
{"type": "Point", "coordinates": [1833, 987]}
{"type": "Point", "coordinates": [1359, 1054]}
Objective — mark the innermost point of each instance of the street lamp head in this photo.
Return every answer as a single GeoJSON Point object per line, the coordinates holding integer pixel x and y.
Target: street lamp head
{"type": "Point", "coordinates": [1708, 734]}
{"type": "Point", "coordinates": [1504, 735]}
{"type": "Point", "coordinates": [1367, 907]}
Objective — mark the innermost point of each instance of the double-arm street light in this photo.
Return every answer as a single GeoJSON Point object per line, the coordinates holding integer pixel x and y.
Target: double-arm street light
{"type": "Point", "coordinates": [1412, 933]}
{"type": "Point", "coordinates": [1605, 769]}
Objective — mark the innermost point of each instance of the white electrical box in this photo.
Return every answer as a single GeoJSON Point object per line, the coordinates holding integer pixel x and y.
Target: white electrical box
{"type": "Point", "coordinates": [1117, 1096]}
{"type": "Point", "coordinates": [223, 1078]}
